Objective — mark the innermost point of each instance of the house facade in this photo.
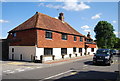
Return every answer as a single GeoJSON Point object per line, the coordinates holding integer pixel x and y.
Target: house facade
{"type": "Point", "coordinates": [44, 38]}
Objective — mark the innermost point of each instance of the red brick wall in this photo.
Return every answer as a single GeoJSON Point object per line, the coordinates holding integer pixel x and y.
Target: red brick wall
{"type": "Point", "coordinates": [27, 38]}
{"type": "Point", "coordinates": [57, 42]}
{"type": "Point", "coordinates": [91, 45]}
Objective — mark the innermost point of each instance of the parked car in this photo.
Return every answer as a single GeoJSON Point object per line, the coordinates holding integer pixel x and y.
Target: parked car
{"type": "Point", "coordinates": [114, 52]}
{"type": "Point", "coordinates": [103, 56]}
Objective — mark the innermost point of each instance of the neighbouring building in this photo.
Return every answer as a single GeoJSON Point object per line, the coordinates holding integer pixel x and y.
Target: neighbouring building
{"type": "Point", "coordinates": [4, 49]}
{"type": "Point", "coordinates": [90, 45]}
{"type": "Point", "coordinates": [44, 38]}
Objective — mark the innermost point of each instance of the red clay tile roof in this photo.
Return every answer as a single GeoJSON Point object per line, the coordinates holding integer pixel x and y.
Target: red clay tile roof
{"type": "Point", "coordinates": [43, 21]}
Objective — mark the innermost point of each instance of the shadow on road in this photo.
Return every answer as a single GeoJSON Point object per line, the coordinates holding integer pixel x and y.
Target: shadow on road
{"type": "Point", "coordinates": [91, 76]}
{"type": "Point", "coordinates": [116, 55]}
{"type": "Point", "coordinates": [88, 63]}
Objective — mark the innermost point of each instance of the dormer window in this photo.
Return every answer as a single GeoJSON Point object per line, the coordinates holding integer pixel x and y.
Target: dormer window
{"type": "Point", "coordinates": [48, 34]}
{"type": "Point", "coordinates": [64, 36]}
{"type": "Point", "coordinates": [14, 34]}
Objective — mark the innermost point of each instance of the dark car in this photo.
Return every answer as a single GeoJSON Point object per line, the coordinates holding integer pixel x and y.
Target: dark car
{"type": "Point", "coordinates": [103, 56]}
{"type": "Point", "coordinates": [114, 52]}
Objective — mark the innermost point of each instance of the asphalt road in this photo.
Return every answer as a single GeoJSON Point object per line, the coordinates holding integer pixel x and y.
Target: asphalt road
{"type": "Point", "coordinates": [75, 70]}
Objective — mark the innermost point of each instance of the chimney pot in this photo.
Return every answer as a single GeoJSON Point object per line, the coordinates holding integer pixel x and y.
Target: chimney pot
{"type": "Point", "coordinates": [61, 16]}
{"type": "Point", "coordinates": [36, 12]}
{"type": "Point", "coordinates": [88, 35]}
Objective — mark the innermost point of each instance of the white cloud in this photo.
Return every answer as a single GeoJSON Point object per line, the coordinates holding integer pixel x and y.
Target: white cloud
{"type": "Point", "coordinates": [75, 6]}
{"type": "Point", "coordinates": [89, 1]}
{"type": "Point", "coordinates": [41, 0]}
{"type": "Point", "coordinates": [2, 0]}
{"type": "Point", "coordinates": [116, 33]}
{"type": "Point", "coordinates": [56, 17]}
{"type": "Point", "coordinates": [96, 16]}
{"type": "Point", "coordinates": [86, 26]}
{"type": "Point", "coordinates": [70, 5]}
{"type": "Point", "coordinates": [59, 0]}
{"type": "Point", "coordinates": [87, 30]}
{"type": "Point", "coordinates": [3, 21]}
{"type": "Point", "coordinates": [114, 21]}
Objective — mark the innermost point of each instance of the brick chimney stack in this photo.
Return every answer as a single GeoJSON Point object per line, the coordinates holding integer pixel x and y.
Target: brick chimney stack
{"type": "Point", "coordinates": [88, 35]}
{"type": "Point", "coordinates": [61, 16]}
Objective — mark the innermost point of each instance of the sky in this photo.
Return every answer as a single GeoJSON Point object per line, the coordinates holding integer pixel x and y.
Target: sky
{"type": "Point", "coordinates": [82, 16]}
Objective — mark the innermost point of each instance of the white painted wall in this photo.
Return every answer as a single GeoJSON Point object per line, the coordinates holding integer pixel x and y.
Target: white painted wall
{"type": "Point", "coordinates": [83, 51]}
{"type": "Point", "coordinates": [47, 58]}
{"type": "Point", "coordinates": [57, 53]}
{"type": "Point", "coordinates": [26, 52]}
{"type": "Point", "coordinates": [89, 50]}
{"type": "Point", "coordinates": [69, 51]}
{"type": "Point", "coordinates": [39, 52]}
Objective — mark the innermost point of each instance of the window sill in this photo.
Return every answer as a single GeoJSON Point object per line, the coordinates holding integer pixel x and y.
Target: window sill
{"type": "Point", "coordinates": [48, 38]}
{"type": "Point", "coordinates": [48, 55]}
{"type": "Point", "coordinates": [64, 39]}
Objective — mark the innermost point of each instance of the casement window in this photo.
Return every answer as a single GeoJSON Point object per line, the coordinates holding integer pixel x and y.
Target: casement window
{"type": "Point", "coordinates": [92, 49]}
{"type": "Point", "coordinates": [80, 50]}
{"type": "Point", "coordinates": [63, 51]}
{"type": "Point", "coordinates": [64, 36]}
{"type": "Point", "coordinates": [81, 39]}
{"type": "Point", "coordinates": [48, 34]}
{"type": "Point", "coordinates": [74, 49]}
{"type": "Point", "coordinates": [14, 34]}
{"type": "Point", "coordinates": [75, 38]}
{"type": "Point", "coordinates": [12, 49]}
{"type": "Point", "coordinates": [48, 51]}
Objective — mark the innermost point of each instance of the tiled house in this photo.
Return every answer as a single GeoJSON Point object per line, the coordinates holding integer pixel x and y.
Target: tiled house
{"type": "Point", "coordinates": [90, 45]}
{"type": "Point", "coordinates": [44, 37]}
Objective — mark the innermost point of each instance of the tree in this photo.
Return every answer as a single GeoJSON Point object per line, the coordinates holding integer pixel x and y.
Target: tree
{"type": "Point", "coordinates": [117, 44]}
{"type": "Point", "coordinates": [105, 37]}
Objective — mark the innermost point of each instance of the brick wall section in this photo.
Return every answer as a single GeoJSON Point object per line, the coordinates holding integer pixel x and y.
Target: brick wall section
{"type": "Point", "coordinates": [57, 42]}
{"type": "Point", "coordinates": [27, 38]}
{"type": "Point", "coordinates": [91, 45]}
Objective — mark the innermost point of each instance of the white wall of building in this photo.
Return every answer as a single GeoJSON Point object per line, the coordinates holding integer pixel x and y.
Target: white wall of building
{"type": "Point", "coordinates": [89, 50]}
{"type": "Point", "coordinates": [26, 52]}
{"type": "Point", "coordinates": [57, 53]}
{"type": "Point", "coordinates": [69, 51]}
{"type": "Point", "coordinates": [83, 51]}
{"type": "Point", "coordinates": [39, 52]}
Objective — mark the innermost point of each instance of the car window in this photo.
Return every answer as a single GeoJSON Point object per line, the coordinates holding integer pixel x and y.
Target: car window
{"type": "Point", "coordinates": [102, 51]}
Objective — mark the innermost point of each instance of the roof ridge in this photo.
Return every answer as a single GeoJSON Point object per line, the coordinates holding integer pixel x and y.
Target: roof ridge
{"type": "Point", "coordinates": [36, 19]}
{"type": "Point", "coordinates": [43, 21]}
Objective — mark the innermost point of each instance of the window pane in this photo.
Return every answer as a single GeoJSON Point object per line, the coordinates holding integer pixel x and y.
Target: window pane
{"type": "Point", "coordinates": [80, 50]}
{"type": "Point", "coordinates": [12, 49]}
{"type": "Point", "coordinates": [75, 38]}
{"type": "Point", "coordinates": [92, 49]}
{"type": "Point", "coordinates": [48, 34]}
{"type": "Point", "coordinates": [14, 34]}
{"type": "Point", "coordinates": [64, 36]}
{"type": "Point", "coordinates": [81, 39]}
{"type": "Point", "coordinates": [63, 50]}
{"type": "Point", "coordinates": [74, 49]}
{"type": "Point", "coordinates": [48, 51]}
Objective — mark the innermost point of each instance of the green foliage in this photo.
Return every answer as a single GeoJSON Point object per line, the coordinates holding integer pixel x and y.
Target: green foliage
{"type": "Point", "coordinates": [104, 35]}
{"type": "Point", "coordinates": [117, 44]}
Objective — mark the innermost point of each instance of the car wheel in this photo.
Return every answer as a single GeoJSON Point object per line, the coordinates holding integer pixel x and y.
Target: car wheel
{"type": "Point", "coordinates": [109, 63]}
